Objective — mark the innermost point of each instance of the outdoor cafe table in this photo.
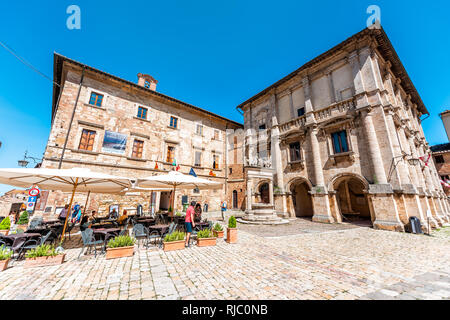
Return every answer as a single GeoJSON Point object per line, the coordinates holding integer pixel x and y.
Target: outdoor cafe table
{"type": "Point", "coordinates": [105, 234]}
{"type": "Point", "coordinates": [161, 228]}
{"type": "Point", "coordinates": [20, 238]}
{"type": "Point", "coordinates": [146, 222]}
{"type": "Point", "coordinates": [51, 222]}
{"type": "Point", "coordinates": [202, 225]}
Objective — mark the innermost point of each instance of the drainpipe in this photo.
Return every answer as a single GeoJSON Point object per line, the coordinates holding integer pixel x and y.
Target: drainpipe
{"type": "Point", "coordinates": [71, 119]}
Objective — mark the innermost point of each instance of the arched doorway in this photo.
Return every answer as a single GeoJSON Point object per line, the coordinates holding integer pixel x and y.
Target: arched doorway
{"type": "Point", "coordinates": [235, 199]}
{"type": "Point", "coordinates": [301, 199]}
{"type": "Point", "coordinates": [164, 201]}
{"type": "Point", "coordinates": [264, 193]}
{"type": "Point", "coordinates": [352, 200]}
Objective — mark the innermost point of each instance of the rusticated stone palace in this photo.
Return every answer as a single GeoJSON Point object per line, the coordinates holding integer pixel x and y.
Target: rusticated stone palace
{"type": "Point", "coordinates": [111, 125]}
{"type": "Point", "coordinates": [340, 139]}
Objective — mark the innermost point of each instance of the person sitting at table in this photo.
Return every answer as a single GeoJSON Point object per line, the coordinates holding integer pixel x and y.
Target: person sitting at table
{"type": "Point", "coordinates": [123, 217]}
{"type": "Point", "coordinates": [198, 212]}
{"type": "Point", "coordinates": [86, 222]}
{"type": "Point", "coordinates": [94, 216]}
{"type": "Point", "coordinates": [63, 214]}
{"type": "Point", "coordinates": [113, 214]}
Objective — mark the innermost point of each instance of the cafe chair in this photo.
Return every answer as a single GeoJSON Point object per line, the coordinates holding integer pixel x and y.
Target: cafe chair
{"type": "Point", "coordinates": [87, 236]}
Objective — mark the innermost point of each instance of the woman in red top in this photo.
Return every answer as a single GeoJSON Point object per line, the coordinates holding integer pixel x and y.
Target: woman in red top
{"type": "Point", "coordinates": [189, 222]}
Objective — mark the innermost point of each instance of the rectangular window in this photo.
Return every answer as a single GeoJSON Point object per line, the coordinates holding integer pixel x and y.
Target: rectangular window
{"type": "Point", "coordinates": [174, 122]}
{"type": "Point", "coordinates": [215, 162]}
{"type": "Point", "coordinates": [142, 113]}
{"type": "Point", "coordinates": [199, 129]}
{"type": "Point", "coordinates": [196, 190]}
{"type": "Point", "coordinates": [294, 149]}
{"type": "Point", "coordinates": [96, 99]}
{"type": "Point", "coordinates": [216, 135]}
{"type": "Point", "coordinates": [198, 159]}
{"type": "Point", "coordinates": [170, 154]}
{"type": "Point", "coordinates": [439, 159]}
{"type": "Point", "coordinates": [300, 112]}
{"type": "Point", "coordinates": [262, 127]}
{"type": "Point", "coordinates": [138, 147]}
{"type": "Point", "coordinates": [339, 141]}
{"type": "Point", "coordinates": [87, 140]}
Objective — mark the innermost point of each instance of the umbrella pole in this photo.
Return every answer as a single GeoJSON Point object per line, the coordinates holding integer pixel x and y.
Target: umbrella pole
{"type": "Point", "coordinates": [173, 201]}
{"type": "Point", "coordinates": [85, 206]}
{"type": "Point", "coordinates": [70, 208]}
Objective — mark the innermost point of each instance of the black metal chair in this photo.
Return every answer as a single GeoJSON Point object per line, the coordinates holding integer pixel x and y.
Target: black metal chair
{"type": "Point", "coordinates": [35, 222]}
{"type": "Point", "coordinates": [87, 236]}
{"type": "Point", "coordinates": [140, 232]}
{"type": "Point", "coordinates": [172, 228]}
{"type": "Point", "coordinates": [194, 232]}
{"type": "Point", "coordinates": [5, 244]}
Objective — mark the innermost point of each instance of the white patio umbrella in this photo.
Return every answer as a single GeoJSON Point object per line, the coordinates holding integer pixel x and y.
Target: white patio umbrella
{"type": "Point", "coordinates": [177, 179]}
{"type": "Point", "coordinates": [66, 180]}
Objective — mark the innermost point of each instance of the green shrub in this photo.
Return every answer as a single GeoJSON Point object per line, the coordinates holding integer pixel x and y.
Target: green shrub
{"type": "Point", "coordinates": [23, 218]}
{"type": "Point", "coordinates": [218, 227]}
{"type": "Point", "coordinates": [121, 241]}
{"type": "Point", "coordinates": [174, 236]}
{"type": "Point", "coordinates": [5, 253]}
{"type": "Point", "coordinates": [5, 224]}
{"type": "Point", "coordinates": [205, 233]}
{"type": "Point", "coordinates": [232, 222]}
{"type": "Point", "coordinates": [178, 214]}
{"type": "Point", "coordinates": [44, 250]}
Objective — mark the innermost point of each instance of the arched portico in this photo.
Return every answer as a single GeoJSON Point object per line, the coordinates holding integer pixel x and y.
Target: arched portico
{"type": "Point", "coordinates": [348, 197]}
{"type": "Point", "coordinates": [299, 200]}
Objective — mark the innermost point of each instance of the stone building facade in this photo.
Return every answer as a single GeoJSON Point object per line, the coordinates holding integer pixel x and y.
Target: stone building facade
{"type": "Point", "coordinates": [441, 155]}
{"type": "Point", "coordinates": [114, 126]}
{"type": "Point", "coordinates": [340, 139]}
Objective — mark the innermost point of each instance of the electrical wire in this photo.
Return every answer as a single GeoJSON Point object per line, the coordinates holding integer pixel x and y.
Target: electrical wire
{"type": "Point", "coordinates": [25, 62]}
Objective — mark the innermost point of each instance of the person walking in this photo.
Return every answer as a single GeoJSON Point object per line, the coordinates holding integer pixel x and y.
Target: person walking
{"type": "Point", "coordinates": [223, 208]}
{"type": "Point", "coordinates": [76, 208]}
{"type": "Point", "coordinates": [189, 222]}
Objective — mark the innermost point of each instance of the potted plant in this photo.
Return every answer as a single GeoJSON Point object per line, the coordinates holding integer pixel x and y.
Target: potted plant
{"type": "Point", "coordinates": [5, 225]}
{"type": "Point", "coordinates": [43, 255]}
{"type": "Point", "coordinates": [232, 230]}
{"type": "Point", "coordinates": [218, 230]}
{"type": "Point", "coordinates": [5, 256]}
{"type": "Point", "coordinates": [22, 223]}
{"type": "Point", "coordinates": [205, 238]}
{"type": "Point", "coordinates": [119, 247]}
{"type": "Point", "coordinates": [174, 241]}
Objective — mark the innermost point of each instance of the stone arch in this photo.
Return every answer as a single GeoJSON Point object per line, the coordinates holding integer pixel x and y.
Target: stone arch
{"type": "Point", "coordinates": [349, 198]}
{"type": "Point", "coordinates": [300, 200]}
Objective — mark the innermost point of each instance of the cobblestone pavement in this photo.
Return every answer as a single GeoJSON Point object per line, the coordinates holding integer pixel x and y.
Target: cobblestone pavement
{"type": "Point", "coordinates": [349, 263]}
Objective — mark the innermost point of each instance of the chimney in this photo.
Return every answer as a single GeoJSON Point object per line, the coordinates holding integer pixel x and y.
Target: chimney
{"type": "Point", "coordinates": [147, 81]}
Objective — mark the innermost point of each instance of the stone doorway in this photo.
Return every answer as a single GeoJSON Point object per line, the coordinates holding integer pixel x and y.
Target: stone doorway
{"type": "Point", "coordinates": [352, 202]}
{"type": "Point", "coordinates": [164, 201]}
{"type": "Point", "coordinates": [235, 199]}
{"type": "Point", "coordinates": [264, 193]}
{"type": "Point", "coordinates": [301, 200]}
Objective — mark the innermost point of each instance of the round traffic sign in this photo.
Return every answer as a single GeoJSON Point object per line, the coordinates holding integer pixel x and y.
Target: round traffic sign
{"type": "Point", "coordinates": [33, 192]}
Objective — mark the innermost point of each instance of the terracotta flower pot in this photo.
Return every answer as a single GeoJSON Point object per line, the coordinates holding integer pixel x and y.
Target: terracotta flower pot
{"type": "Point", "coordinates": [218, 234]}
{"type": "Point", "coordinates": [231, 235]}
{"type": "Point", "coordinates": [112, 253]}
{"type": "Point", "coordinates": [44, 261]}
{"type": "Point", "coordinates": [206, 242]}
{"type": "Point", "coordinates": [173, 245]}
{"type": "Point", "coordinates": [4, 264]}
{"type": "Point", "coordinates": [4, 232]}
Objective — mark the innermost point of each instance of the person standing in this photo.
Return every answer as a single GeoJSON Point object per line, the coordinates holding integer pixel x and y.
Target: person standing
{"type": "Point", "coordinates": [189, 222]}
{"type": "Point", "coordinates": [205, 206]}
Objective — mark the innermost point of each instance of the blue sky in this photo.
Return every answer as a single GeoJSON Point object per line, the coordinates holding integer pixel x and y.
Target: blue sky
{"type": "Point", "coordinates": [213, 54]}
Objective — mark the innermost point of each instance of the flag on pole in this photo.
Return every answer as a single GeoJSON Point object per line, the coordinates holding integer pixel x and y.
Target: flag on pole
{"type": "Point", "coordinates": [425, 161]}
{"type": "Point", "coordinates": [212, 174]}
{"type": "Point", "coordinates": [445, 183]}
{"type": "Point", "coordinates": [174, 162]}
{"type": "Point", "coordinates": [178, 167]}
{"type": "Point", "coordinates": [156, 166]}
{"type": "Point", "coordinates": [192, 173]}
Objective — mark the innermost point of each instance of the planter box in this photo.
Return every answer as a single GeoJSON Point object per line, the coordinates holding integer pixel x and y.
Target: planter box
{"type": "Point", "coordinates": [174, 245]}
{"type": "Point", "coordinates": [231, 235]}
{"type": "Point", "coordinates": [44, 261]}
{"type": "Point", "coordinates": [4, 264]}
{"type": "Point", "coordinates": [4, 232]}
{"type": "Point", "coordinates": [206, 242]}
{"type": "Point", "coordinates": [218, 234]}
{"type": "Point", "coordinates": [112, 253]}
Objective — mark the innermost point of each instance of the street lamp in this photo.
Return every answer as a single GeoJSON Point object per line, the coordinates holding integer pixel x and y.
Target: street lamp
{"type": "Point", "coordinates": [24, 163]}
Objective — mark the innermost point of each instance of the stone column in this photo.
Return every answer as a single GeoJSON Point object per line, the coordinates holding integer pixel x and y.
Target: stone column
{"type": "Point", "coordinates": [329, 75]}
{"type": "Point", "coordinates": [373, 148]}
{"type": "Point", "coordinates": [249, 195]}
{"type": "Point", "coordinates": [291, 105]}
{"type": "Point", "coordinates": [321, 201]}
{"type": "Point", "coordinates": [309, 109]}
